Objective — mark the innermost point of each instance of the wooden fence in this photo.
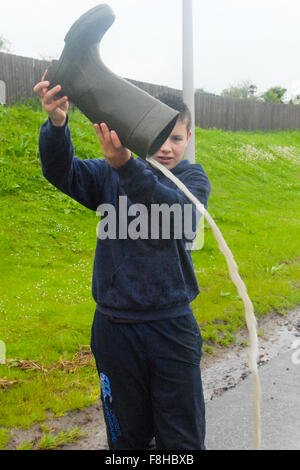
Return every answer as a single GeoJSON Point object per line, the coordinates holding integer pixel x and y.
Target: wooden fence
{"type": "Point", "coordinates": [20, 74]}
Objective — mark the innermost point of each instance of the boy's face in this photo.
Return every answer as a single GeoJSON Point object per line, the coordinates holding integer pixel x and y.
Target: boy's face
{"type": "Point", "coordinates": [172, 151]}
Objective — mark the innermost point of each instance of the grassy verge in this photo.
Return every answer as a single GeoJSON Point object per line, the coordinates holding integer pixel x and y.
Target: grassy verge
{"type": "Point", "coordinates": [47, 243]}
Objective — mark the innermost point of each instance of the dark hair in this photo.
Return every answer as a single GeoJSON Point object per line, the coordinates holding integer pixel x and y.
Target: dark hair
{"type": "Point", "coordinates": [176, 102]}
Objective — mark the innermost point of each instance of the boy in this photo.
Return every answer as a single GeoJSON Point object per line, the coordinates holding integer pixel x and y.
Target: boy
{"type": "Point", "coordinates": [145, 339]}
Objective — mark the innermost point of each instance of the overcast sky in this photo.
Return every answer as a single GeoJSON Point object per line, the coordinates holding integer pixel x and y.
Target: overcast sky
{"type": "Point", "coordinates": [234, 40]}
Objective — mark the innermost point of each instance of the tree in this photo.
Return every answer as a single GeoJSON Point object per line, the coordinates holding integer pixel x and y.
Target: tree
{"type": "Point", "coordinates": [4, 44]}
{"type": "Point", "coordinates": [46, 57]}
{"type": "Point", "coordinates": [274, 95]}
{"type": "Point", "coordinates": [252, 90]}
{"type": "Point", "coordinates": [242, 90]}
{"type": "Point", "coordinates": [201, 91]}
{"type": "Point", "coordinates": [295, 100]}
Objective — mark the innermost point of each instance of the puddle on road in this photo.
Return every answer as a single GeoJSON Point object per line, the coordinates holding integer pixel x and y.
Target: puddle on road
{"type": "Point", "coordinates": [228, 369]}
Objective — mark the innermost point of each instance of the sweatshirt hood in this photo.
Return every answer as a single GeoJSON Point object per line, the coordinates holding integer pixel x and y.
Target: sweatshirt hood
{"type": "Point", "coordinates": [181, 167]}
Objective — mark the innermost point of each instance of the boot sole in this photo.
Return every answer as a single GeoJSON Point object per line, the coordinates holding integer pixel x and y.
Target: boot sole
{"type": "Point", "coordinates": [87, 30]}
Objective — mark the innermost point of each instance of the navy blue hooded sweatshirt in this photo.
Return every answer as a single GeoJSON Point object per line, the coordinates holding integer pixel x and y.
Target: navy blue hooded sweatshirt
{"type": "Point", "coordinates": [142, 279]}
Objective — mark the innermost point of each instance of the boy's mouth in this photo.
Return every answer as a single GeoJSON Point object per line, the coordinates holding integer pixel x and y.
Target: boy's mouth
{"type": "Point", "coordinates": [164, 159]}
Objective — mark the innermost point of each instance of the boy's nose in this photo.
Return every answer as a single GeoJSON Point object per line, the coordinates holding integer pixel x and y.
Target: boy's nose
{"type": "Point", "coordinates": [166, 147]}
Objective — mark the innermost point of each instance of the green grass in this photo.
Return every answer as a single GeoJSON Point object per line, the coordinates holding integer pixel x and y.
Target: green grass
{"type": "Point", "coordinates": [4, 438]}
{"type": "Point", "coordinates": [47, 244]}
{"type": "Point", "coordinates": [255, 202]}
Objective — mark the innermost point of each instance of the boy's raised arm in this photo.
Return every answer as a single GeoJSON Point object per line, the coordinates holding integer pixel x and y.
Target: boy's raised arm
{"type": "Point", "coordinates": [144, 187]}
{"type": "Point", "coordinates": [139, 181]}
{"type": "Point", "coordinates": [82, 180]}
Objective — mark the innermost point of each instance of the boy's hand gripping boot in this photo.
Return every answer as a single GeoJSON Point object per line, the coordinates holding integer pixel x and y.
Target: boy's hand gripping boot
{"type": "Point", "coordinates": [142, 122]}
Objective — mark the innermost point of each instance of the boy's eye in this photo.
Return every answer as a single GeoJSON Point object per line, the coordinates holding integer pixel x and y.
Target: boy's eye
{"type": "Point", "coordinates": [176, 139]}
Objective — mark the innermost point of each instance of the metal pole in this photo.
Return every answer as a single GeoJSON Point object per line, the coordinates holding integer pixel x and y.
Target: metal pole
{"type": "Point", "coordinates": [189, 94]}
{"type": "Point", "coordinates": [188, 70]}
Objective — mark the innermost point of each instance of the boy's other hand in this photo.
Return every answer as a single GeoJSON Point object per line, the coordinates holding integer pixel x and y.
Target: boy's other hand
{"type": "Point", "coordinates": [56, 108]}
{"type": "Point", "coordinates": [113, 150]}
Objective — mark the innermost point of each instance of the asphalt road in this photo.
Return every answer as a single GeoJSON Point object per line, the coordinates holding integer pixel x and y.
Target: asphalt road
{"type": "Point", "coordinates": [230, 415]}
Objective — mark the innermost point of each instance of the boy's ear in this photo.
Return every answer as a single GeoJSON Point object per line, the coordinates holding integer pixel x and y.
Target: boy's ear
{"type": "Point", "coordinates": [189, 136]}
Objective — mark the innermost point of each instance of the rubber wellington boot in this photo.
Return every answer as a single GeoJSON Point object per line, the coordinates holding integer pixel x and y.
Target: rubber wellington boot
{"type": "Point", "coordinates": [142, 122]}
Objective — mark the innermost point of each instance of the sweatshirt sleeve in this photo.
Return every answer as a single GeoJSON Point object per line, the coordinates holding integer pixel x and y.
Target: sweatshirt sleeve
{"type": "Point", "coordinates": [142, 186]}
{"type": "Point", "coordinates": [82, 180]}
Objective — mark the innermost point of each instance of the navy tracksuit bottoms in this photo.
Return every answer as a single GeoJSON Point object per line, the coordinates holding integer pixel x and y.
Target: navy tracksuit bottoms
{"type": "Point", "coordinates": [151, 388]}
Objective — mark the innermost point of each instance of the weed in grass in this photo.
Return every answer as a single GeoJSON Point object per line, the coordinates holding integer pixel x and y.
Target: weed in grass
{"type": "Point", "coordinates": [4, 438]}
{"type": "Point", "coordinates": [208, 349]}
{"type": "Point", "coordinates": [51, 441]}
{"type": "Point", "coordinates": [26, 445]}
